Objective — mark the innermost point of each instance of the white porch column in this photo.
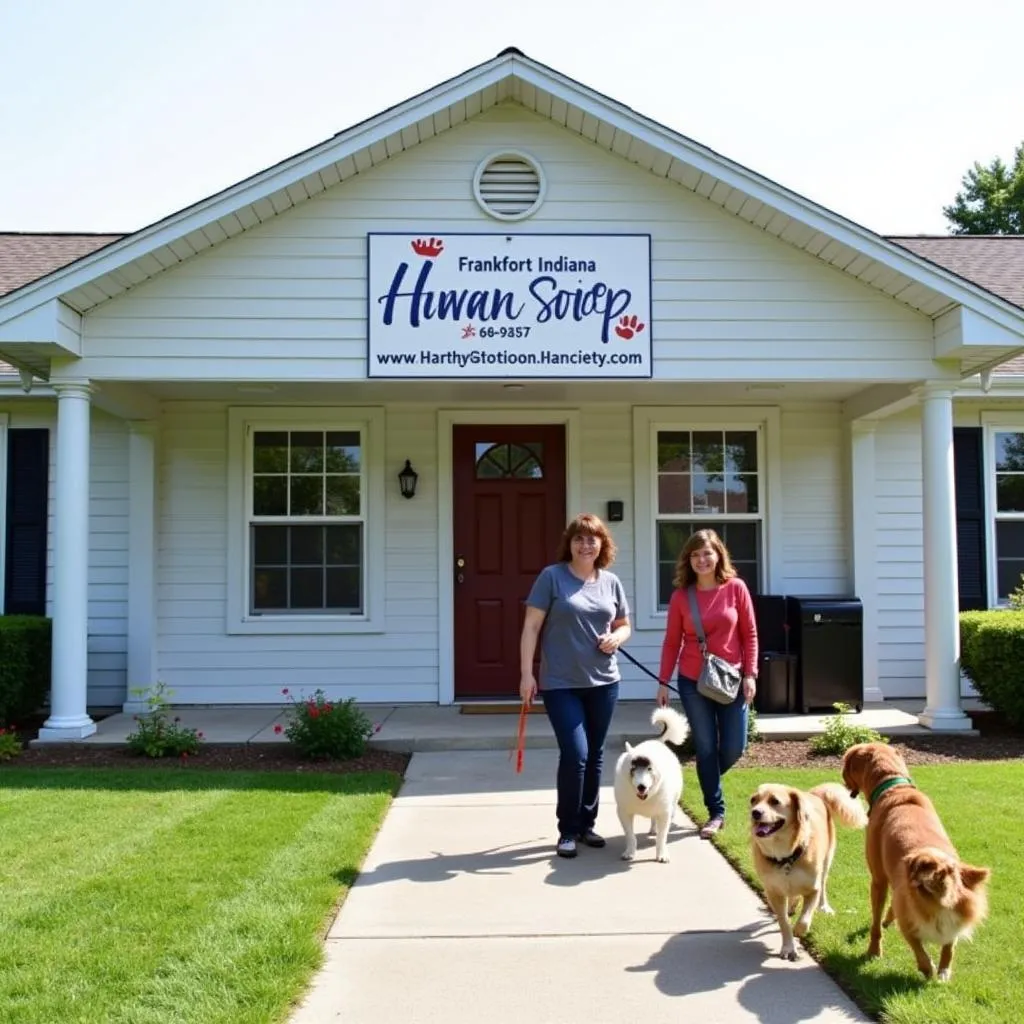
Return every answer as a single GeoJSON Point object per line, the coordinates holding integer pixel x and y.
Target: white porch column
{"type": "Point", "coordinates": [142, 647]}
{"type": "Point", "coordinates": [865, 547]}
{"type": "Point", "coordinates": [68, 718]}
{"type": "Point", "coordinates": [941, 604]}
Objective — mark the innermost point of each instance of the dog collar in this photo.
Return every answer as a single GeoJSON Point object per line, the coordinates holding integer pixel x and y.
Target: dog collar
{"type": "Point", "coordinates": [896, 780]}
{"type": "Point", "coordinates": [787, 862]}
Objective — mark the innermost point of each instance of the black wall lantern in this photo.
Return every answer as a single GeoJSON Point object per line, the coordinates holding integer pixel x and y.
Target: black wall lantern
{"type": "Point", "coordinates": [407, 480]}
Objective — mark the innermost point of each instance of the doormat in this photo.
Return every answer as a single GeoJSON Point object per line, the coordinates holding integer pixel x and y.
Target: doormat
{"type": "Point", "coordinates": [498, 709]}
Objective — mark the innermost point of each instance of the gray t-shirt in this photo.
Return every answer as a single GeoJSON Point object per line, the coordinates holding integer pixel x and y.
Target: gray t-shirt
{"type": "Point", "coordinates": [578, 613]}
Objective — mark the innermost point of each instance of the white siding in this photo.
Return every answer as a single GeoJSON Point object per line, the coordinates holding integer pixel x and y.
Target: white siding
{"type": "Point", "coordinates": [108, 544]}
{"type": "Point", "coordinates": [900, 542]}
{"type": "Point", "coordinates": [287, 299]}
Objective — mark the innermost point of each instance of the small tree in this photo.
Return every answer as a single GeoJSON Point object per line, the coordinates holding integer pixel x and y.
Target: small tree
{"type": "Point", "coordinates": [992, 200]}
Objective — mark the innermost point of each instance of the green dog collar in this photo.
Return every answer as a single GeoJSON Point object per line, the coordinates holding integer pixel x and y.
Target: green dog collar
{"type": "Point", "coordinates": [896, 780]}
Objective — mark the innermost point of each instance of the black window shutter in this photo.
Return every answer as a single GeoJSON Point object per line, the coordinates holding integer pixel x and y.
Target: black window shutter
{"type": "Point", "coordinates": [28, 470]}
{"type": "Point", "coordinates": [968, 470]}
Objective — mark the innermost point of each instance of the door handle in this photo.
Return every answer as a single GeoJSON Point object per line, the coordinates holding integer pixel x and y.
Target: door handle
{"type": "Point", "coordinates": [460, 564]}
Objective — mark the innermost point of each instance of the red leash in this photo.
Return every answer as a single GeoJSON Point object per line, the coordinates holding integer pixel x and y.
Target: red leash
{"type": "Point", "coordinates": [524, 712]}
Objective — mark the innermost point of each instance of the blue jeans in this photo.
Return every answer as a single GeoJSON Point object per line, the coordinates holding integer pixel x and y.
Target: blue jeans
{"type": "Point", "coordinates": [719, 734]}
{"type": "Point", "coordinates": [580, 719]}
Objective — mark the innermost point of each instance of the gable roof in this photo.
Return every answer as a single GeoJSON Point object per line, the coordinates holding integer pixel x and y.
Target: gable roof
{"type": "Point", "coordinates": [995, 262]}
{"type": "Point", "coordinates": [28, 256]}
{"type": "Point", "coordinates": [511, 76]}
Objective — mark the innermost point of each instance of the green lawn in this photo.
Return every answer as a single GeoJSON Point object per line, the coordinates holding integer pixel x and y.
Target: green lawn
{"type": "Point", "coordinates": [143, 897]}
{"type": "Point", "coordinates": [980, 807]}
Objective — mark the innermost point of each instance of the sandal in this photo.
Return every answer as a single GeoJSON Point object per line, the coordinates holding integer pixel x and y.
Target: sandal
{"type": "Point", "coordinates": [714, 825]}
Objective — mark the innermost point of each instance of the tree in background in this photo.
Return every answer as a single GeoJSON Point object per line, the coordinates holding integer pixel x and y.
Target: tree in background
{"type": "Point", "coordinates": [992, 200]}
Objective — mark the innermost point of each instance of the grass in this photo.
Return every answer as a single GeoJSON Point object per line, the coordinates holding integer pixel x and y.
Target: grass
{"type": "Point", "coordinates": [980, 807]}
{"type": "Point", "coordinates": [172, 896]}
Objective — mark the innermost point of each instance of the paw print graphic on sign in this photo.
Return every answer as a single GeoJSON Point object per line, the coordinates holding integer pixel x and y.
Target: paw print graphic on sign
{"type": "Point", "coordinates": [628, 326]}
{"type": "Point", "coordinates": [428, 247]}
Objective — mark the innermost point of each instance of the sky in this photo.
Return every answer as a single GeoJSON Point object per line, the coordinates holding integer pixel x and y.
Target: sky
{"type": "Point", "coordinates": [116, 113]}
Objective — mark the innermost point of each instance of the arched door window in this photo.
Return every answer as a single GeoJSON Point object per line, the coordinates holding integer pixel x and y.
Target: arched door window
{"type": "Point", "coordinates": [509, 461]}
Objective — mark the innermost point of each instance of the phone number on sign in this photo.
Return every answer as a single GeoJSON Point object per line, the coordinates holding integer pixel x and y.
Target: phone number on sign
{"type": "Point", "coordinates": [504, 332]}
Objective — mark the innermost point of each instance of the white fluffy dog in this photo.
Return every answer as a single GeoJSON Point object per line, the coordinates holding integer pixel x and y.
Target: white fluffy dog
{"type": "Point", "coordinates": [649, 782]}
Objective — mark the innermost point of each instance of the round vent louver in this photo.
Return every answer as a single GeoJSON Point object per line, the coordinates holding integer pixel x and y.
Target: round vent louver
{"type": "Point", "coordinates": [509, 185]}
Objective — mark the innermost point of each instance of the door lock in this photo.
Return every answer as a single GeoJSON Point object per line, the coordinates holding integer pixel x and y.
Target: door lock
{"type": "Point", "coordinates": [460, 564]}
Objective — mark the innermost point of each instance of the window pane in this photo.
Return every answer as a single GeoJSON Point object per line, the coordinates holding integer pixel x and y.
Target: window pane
{"type": "Point", "coordinates": [1010, 493]}
{"type": "Point", "coordinates": [708, 451]}
{"type": "Point", "coordinates": [307, 455]}
{"type": "Point", "coordinates": [307, 545]}
{"type": "Point", "coordinates": [307, 589]}
{"type": "Point", "coordinates": [673, 451]}
{"type": "Point", "coordinates": [270, 589]}
{"type": "Point", "coordinates": [343, 495]}
{"type": "Point", "coordinates": [270, 545]}
{"type": "Point", "coordinates": [741, 451]}
{"type": "Point", "coordinates": [307, 496]}
{"type": "Point", "coordinates": [270, 451]}
{"type": "Point", "coordinates": [1010, 452]}
{"type": "Point", "coordinates": [674, 493]}
{"type": "Point", "coordinates": [1009, 557]}
{"type": "Point", "coordinates": [525, 461]}
{"type": "Point", "coordinates": [743, 541]}
{"type": "Point", "coordinates": [343, 588]}
{"type": "Point", "coordinates": [344, 544]}
{"type": "Point", "coordinates": [741, 493]}
{"type": "Point", "coordinates": [270, 496]}
{"type": "Point", "coordinates": [708, 494]}
{"type": "Point", "coordinates": [343, 451]}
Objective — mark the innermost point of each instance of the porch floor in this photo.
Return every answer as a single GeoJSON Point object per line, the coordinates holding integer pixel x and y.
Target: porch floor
{"type": "Point", "coordinates": [420, 728]}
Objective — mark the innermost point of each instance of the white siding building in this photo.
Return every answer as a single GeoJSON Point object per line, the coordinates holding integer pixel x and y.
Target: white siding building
{"type": "Point", "coordinates": [215, 502]}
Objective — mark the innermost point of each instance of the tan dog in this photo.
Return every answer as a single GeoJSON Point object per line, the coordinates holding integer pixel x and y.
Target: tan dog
{"type": "Point", "coordinates": [793, 838]}
{"type": "Point", "coordinates": [935, 896]}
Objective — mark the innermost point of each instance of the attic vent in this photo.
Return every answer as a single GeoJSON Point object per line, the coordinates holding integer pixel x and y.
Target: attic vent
{"type": "Point", "coordinates": [509, 185]}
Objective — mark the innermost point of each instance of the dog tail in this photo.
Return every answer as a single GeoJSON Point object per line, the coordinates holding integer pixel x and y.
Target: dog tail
{"type": "Point", "coordinates": [842, 807]}
{"type": "Point", "coordinates": [674, 727]}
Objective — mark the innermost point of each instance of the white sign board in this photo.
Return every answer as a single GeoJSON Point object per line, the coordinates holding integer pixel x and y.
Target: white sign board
{"type": "Point", "coordinates": [470, 306]}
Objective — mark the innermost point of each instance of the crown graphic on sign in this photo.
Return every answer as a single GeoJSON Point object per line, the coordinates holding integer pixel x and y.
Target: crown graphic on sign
{"type": "Point", "coordinates": [428, 247]}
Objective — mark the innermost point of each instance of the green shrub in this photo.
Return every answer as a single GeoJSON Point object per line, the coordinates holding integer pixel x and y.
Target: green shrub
{"type": "Point", "coordinates": [156, 734]}
{"type": "Point", "coordinates": [10, 745]}
{"type": "Point", "coordinates": [992, 654]}
{"type": "Point", "coordinates": [25, 645]}
{"type": "Point", "coordinates": [840, 734]}
{"type": "Point", "coordinates": [320, 728]}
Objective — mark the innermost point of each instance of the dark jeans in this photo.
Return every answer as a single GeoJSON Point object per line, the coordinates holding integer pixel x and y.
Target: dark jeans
{"type": "Point", "coordinates": [580, 719]}
{"type": "Point", "coordinates": [719, 734]}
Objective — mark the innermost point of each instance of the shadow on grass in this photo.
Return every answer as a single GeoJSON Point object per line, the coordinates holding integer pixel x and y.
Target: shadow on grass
{"type": "Point", "coordinates": [177, 777]}
{"type": "Point", "coordinates": [866, 982]}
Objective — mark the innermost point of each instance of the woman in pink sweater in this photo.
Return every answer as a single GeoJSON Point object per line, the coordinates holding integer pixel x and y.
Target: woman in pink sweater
{"type": "Point", "coordinates": [727, 614]}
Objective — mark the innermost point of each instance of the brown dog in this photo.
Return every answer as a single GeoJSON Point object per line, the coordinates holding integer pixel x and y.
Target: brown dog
{"type": "Point", "coordinates": [793, 839]}
{"type": "Point", "coordinates": [935, 896]}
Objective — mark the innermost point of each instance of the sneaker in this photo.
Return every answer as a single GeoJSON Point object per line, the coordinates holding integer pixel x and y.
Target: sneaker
{"type": "Point", "coordinates": [713, 826]}
{"type": "Point", "coordinates": [591, 838]}
{"type": "Point", "coordinates": [566, 847]}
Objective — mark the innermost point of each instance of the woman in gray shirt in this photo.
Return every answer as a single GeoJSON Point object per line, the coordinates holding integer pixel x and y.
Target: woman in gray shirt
{"type": "Point", "coordinates": [583, 611]}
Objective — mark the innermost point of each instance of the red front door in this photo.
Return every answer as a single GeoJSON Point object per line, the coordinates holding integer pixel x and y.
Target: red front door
{"type": "Point", "coordinates": [509, 513]}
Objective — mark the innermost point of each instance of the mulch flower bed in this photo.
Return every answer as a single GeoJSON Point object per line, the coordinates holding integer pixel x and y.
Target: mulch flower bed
{"type": "Point", "coordinates": [997, 742]}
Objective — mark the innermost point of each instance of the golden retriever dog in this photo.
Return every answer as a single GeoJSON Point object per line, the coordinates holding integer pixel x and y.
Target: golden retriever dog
{"type": "Point", "coordinates": [936, 897]}
{"type": "Point", "coordinates": [793, 839]}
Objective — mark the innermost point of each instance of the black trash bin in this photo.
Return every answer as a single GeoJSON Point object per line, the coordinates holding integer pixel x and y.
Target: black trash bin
{"type": "Point", "coordinates": [776, 684]}
{"type": "Point", "coordinates": [826, 634]}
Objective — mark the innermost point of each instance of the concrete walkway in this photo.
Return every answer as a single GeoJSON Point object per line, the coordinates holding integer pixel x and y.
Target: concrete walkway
{"type": "Point", "coordinates": [463, 913]}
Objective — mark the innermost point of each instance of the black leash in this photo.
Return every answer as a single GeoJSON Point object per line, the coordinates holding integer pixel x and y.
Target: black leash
{"type": "Point", "coordinates": [644, 668]}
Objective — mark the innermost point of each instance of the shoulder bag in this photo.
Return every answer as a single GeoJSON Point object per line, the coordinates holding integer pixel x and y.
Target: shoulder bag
{"type": "Point", "coordinates": [719, 680]}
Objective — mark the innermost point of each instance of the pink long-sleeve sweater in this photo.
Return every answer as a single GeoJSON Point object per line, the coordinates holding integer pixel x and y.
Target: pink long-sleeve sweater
{"type": "Point", "coordinates": [727, 614]}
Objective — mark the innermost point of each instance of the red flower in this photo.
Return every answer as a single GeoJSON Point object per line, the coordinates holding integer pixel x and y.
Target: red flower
{"type": "Point", "coordinates": [184, 755]}
{"type": "Point", "coordinates": [314, 712]}
{"type": "Point", "coordinates": [285, 691]}
{"type": "Point", "coordinates": [278, 728]}
{"type": "Point", "coordinates": [199, 735]}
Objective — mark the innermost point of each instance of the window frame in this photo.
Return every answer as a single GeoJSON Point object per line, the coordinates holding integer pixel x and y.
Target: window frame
{"type": "Point", "coordinates": [243, 423]}
{"type": "Point", "coordinates": [993, 423]}
{"type": "Point", "coordinates": [647, 423]}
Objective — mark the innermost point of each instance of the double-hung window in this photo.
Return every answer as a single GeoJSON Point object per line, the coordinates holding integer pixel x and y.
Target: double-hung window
{"type": "Point", "coordinates": [1004, 462]}
{"type": "Point", "coordinates": [307, 549]}
{"type": "Point", "coordinates": [700, 468]}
